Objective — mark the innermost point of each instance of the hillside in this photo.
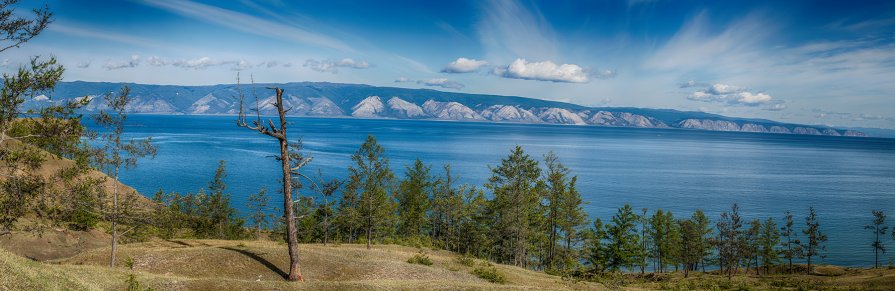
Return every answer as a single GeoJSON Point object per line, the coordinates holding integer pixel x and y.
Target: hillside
{"type": "Point", "coordinates": [364, 101]}
{"type": "Point", "coordinates": [257, 265]}
{"type": "Point", "coordinates": [244, 265]}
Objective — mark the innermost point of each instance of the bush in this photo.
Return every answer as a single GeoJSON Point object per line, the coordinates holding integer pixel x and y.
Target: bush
{"type": "Point", "coordinates": [421, 259]}
{"type": "Point", "coordinates": [466, 261]}
{"type": "Point", "coordinates": [490, 273]}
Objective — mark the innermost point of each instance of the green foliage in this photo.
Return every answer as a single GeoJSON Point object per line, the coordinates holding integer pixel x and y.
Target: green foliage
{"type": "Point", "coordinates": [623, 240]}
{"type": "Point", "coordinates": [489, 273]}
{"type": "Point", "coordinates": [465, 261]}
{"type": "Point", "coordinates": [665, 237]}
{"type": "Point", "coordinates": [22, 137]}
{"type": "Point", "coordinates": [879, 229]}
{"type": "Point", "coordinates": [420, 259]}
{"type": "Point", "coordinates": [814, 238]}
{"type": "Point", "coordinates": [413, 200]}
{"type": "Point", "coordinates": [258, 203]}
{"type": "Point", "coordinates": [596, 252]}
{"type": "Point", "coordinates": [370, 181]}
{"type": "Point", "coordinates": [768, 239]}
{"type": "Point", "coordinates": [516, 206]}
{"type": "Point", "coordinates": [791, 246]}
{"type": "Point", "coordinates": [565, 216]}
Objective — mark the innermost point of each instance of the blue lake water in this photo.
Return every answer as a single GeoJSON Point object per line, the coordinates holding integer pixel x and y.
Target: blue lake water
{"type": "Point", "coordinates": [677, 170]}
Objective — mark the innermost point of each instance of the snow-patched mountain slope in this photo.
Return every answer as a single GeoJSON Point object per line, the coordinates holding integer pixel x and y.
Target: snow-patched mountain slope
{"type": "Point", "coordinates": [708, 124]}
{"type": "Point", "coordinates": [450, 111]}
{"type": "Point", "coordinates": [324, 107]}
{"type": "Point", "coordinates": [509, 113]}
{"type": "Point", "coordinates": [209, 104]}
{"type": "Point", "coordinates": [294, 104]}
{"type": "Point", "coordinates": [561, 116]}
{"type": "Point", "coordinates": [624, 119]}
{"type": "Point", "coordinates": [371, 107]}
{"type": "Point", "coordinates": [404, 109]}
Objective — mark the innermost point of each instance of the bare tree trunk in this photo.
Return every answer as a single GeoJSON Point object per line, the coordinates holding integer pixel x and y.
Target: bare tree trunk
{"type": "Point", "coordinates": [295, 265]}
{"type": "Point", "coordinates": [288, 215]}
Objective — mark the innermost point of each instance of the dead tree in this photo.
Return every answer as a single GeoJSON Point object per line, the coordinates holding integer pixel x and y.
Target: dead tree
{"type": "Point", "coordinates": [289, 168]}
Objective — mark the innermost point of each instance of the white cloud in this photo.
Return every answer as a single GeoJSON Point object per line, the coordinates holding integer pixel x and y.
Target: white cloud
{"type": "Point", "coordinates": [242, 65]}
{"type": "Point", "coordinates": [436, 82]}
{"type": "Point", "coordinates": [543, 71]}
{"type": "Point", "coordinates": [464, 65]}
{"type": "Point", "coordinates": [156, 61]}
{"type": "Point", "coordinates": [115, 65]}
{"type": "Point", "coordinates": [83, 65]}
{"type": "Point", "coordinates": [734, 95]}
{"type": "Point", "coordinates": [333, 66]}
{"type": "Point", "coordinates": [197, 64]}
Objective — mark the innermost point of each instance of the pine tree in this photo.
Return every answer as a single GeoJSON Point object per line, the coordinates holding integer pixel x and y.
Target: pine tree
{"type": "Point", "coordinates": [815, 239]}
{"type": "Point", "coordinates": [769, 238]}
{"type": "Point", "coordinates": [371, 178]}
{"type": "Point", "coordinates": [564, 212]}
{"type": "Point", "coordinates": [222, 216]}
{"type": "Point", "coordinates": [623, 240]}
{"type": "Point", "coordinates": [729, 241]}
{"type": "Point", "coordinates": [704, 230]}
{"type": "Point", "coordinates": [751, 245]}
{"type": "Point", "coordinates": [879, 229]}
{"type": "Point", "coordinates": [413, 200]}
{"type": "Point", "coordinates": [792, 246]}
{"type": "Point", "coordinates": [665, 237]}
{"type": "Point", "coordinates": [516, 206]}
{"type": "Point", "coordinates": [473, 229]}
{"type": "Point", "coordinates": [328, 189]}
{"type": "Point", "coordinates": [52, 128]}
{"type": "Point", "coordinates": [596, 253]}
{"type": "Point", "coordinates": [258, 204]}
{"type": "Point", "coordinates": [572, 220]}
{"type": "Point", "coordinates": [690, 252]}
{"type": "Point", "coordinates": [115, 154]}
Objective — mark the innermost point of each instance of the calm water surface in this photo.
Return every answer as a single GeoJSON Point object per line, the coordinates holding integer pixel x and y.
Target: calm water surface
{"type": "Point", "coordinates": [677, 170]}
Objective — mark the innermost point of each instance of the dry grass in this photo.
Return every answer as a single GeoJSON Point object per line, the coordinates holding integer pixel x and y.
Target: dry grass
{"type": "Point", "coordinates": [241, 265]}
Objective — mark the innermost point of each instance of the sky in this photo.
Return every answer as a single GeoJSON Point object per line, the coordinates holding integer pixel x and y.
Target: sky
{"type": "Point", "coordinates": [815, 62]}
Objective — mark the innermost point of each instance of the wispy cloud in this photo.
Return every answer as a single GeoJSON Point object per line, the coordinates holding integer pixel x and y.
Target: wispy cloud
{"type": "Point", "coordinates": [76, 29]}
{"type": "Point", "coordinates": [464, 65]}
{"type": "Point", "coordinates": [822, 114]}
{"type": "Point", "coordinates": [508, 28]}
{"type": "Point", "coordinates": [133, 62]}
{"type": "Point", "coordinates": [248, 23]}
{"type": "Point", "coordinates": [436, 82]}
{"type": "Point", "coordinates": [332, 66]}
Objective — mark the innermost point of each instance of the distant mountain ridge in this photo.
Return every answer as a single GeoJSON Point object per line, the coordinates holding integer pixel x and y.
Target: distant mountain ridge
{"type": "Point", "coordinates": [365, 101]}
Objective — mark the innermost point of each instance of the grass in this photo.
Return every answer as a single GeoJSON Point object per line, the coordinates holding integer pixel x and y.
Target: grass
{"type": "Point", "coordinates": [225, 265]}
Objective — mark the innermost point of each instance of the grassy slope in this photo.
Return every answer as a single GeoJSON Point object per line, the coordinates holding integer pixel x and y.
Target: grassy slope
{"type": "Point", "coordinates": [241, 265]}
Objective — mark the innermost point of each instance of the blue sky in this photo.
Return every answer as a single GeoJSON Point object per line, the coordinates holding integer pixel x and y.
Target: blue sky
{"type": "Point", "coordinates": [817, 62]}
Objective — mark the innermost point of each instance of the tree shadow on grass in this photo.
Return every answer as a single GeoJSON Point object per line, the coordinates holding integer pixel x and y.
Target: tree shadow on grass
{"type": "Point", "coordinates": [259, 259]}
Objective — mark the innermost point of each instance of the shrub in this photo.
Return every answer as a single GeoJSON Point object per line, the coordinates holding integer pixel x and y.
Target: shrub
{"type": "Point", "coordinates": [466, 261]}
{"type": "Point", "coordinates": [421, 259]}
{"type": "Point", "coordinates": [490, 273]}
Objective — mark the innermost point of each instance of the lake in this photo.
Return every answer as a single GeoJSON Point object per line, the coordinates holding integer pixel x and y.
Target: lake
{"type": "Point", "coordinates": [678, 170]}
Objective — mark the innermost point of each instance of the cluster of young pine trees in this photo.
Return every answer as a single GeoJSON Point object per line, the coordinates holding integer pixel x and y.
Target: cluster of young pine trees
{"type": "Point", "coordinates": [534, 219]}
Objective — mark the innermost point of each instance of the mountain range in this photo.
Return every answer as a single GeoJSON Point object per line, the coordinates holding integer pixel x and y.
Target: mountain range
{"type": "Point", "coordinates": [364, 101]}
